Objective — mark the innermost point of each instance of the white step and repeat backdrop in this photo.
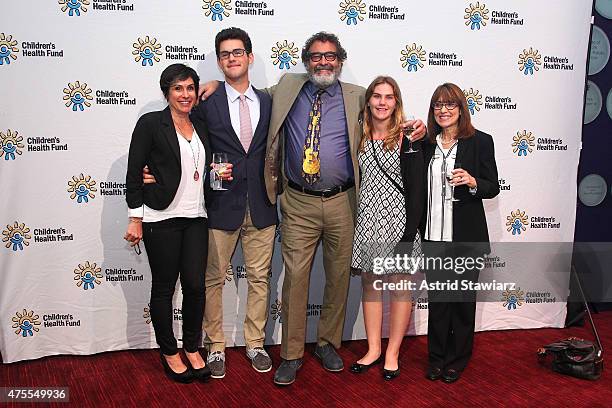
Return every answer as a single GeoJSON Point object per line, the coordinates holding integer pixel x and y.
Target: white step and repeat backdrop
{"type": "Point", "coordinates": [77, 74]}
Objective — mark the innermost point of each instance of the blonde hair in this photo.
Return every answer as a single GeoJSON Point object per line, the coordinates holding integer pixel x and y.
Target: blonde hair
{"type": "Point", "coordinates": [395, 131]}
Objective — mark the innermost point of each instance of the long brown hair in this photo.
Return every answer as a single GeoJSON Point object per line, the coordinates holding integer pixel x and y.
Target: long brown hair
{"type": "Point", "coordinates": [448, 92]}
{"type": "Point", "coordinates": [395, 131]}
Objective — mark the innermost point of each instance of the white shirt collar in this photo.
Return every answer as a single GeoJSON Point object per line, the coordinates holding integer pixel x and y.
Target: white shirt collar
{"type": "Point", "coordinates": [233, 94]}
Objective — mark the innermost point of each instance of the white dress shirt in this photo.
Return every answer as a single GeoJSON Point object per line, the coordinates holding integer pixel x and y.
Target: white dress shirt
{"type": "Point", "coordinates": [439, 225]}
{"type": "Point", "coordinates": [188, 201]}
{"type": "Point", "coordinates": [233, 99]}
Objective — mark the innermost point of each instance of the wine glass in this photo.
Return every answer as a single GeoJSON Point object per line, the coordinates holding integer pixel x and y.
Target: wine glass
{"type": "Point", "coordinates": [219, 166]}
{"type": "Point", "coordinates": [407, 131]}
{"type": "Point", "coordinates": [449, 177]}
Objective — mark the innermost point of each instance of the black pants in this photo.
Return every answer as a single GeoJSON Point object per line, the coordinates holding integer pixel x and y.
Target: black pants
{"type": "Point", "coordinates": [177, 246]}
{"type": "Point", "coordinates": [450, 324]}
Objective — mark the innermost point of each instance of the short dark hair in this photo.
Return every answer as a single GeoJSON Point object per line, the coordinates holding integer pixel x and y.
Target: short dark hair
{"type": "Point", "coordinates": [323, 36]}
{"type": "Point", "coordinates": [233, 33]}
{"type": "Point", "coordinates": [174, 73]}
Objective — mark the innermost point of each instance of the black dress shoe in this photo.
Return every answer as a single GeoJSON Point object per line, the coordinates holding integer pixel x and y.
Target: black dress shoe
{"type": "Point", "coordinates": [359, 368]}
{"type": "Point", "coordinates": [450, 375]}
{"type": "Point", "coordinates": [330, 359]}
{"type": "Point", "coordinates": [433, 373]}
{"type": "Point", "coordinates": [391, 374]}
{"type": "Point", "coordinates": [287, 371]}
{"type": "Point", "coordinates": [185, 377]}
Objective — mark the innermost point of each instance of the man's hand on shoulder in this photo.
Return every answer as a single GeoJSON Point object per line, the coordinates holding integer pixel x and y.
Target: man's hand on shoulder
{"type": "Point", "coordinates": [207, 89]}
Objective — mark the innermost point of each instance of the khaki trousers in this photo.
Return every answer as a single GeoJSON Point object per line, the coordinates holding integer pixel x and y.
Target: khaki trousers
{"type": "Point", "coordinates": [306, 219]}
{"type": "Point", "coordinates": [257, 248]}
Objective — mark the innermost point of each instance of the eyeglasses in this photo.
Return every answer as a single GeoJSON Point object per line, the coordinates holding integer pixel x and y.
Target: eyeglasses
{"type": "Point", "coordinates": [137, 249]}
{"type": "Point", "coordinates": [237, 52]}
{"type": "Point", "coordinates": [447, 105]}
{"type": "Point", "coordinates": [317, 56]}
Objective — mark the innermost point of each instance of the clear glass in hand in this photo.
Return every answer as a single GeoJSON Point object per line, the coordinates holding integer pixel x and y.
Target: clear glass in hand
{"type": "Point", "coordinates": [219, 166]}
{"type": "Point", "coordinates": [449, 177]}
{"type": "Point", "coordinates": [408, 133]}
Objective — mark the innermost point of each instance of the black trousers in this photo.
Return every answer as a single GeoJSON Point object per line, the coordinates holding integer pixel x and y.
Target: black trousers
{"type": "Point", "coordinates": [177, 247]}
{"type": "Point", "coordinates": [450, 324]}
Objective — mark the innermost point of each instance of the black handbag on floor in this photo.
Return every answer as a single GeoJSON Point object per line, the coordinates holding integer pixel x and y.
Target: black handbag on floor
{"type": "Point", "coordinates": [573, 356]}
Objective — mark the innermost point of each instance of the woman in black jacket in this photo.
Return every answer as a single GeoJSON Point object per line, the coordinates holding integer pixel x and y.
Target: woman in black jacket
{"type": "Point", "coordinates": [460, 173]}
{"type": "Point", "coordinates": [390, 207]}
{"type": "Point", "coordinates": [170, 216]}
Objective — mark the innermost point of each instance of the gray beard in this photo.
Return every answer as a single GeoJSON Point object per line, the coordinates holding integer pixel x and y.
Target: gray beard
{"type": "Point", "coordinates": [323, 81]}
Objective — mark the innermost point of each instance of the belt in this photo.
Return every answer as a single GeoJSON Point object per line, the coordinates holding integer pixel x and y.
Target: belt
{"type": "Point", "coordinates": [322, 193]}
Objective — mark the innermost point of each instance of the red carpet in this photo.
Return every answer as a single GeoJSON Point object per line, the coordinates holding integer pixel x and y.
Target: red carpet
{"type": "Point", "coordinates": [503, 372]}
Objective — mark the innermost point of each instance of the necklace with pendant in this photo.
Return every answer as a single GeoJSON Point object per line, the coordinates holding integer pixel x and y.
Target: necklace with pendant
{"type": "Point", "coordinates": [196, 159]}
{"type": "Point", "coordinates": [196, 174]}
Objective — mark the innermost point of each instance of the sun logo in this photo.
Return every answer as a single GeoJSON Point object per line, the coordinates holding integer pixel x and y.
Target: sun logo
{"type": "Point", "coordinates": [413, 57]}
{"type": "Point", "coordinates": [351, 11]}
{"type": "Point", "coordinates": [10, 144]}
{"type": "Point", "coordinates": [513, 298]}
{"type": "Point", "coordinates": [16, 236]}
{"type": "Point", "coordinates": [284, 54]}
{"type": "Point", "coordinates": [275, 311]}
{"type": "Point", "coordinates": [517, 222]}
{"type": "Point", "coordinates": [217, 8]}
{"type": "Point", "coordinates": [7, 49]}
{"type": "Point", "coordinates": [147, 314]}
{"type": "Point", "coordinates": [474, 100]}
{"type": "Point", "coordinates": [81, 188]}
{"type": "Point", "coordinates": [476, 16]}
{"type": "Point", "coordinates": [146, 50]}
{"type": "Point", "coordinates": [522, 143]}
{"type": "Point", "coordinates": [529, 61]}
{"type": "Point", "coordinates": [229, 273]}
{"type": "Point", "coordinates": [74, 7]}
{"type": "Point", "coordinates": [77, 95]}
{"type": "Point", "coordinates": [88, 274]}
{"type": "Point", "coordinates": [25, 323]}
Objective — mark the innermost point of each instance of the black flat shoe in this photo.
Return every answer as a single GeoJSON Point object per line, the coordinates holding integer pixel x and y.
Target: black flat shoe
{"type": "Point", "coordinates": [451, 375]}
{"type": "Point", "coordinates": [389, 375]}
{"type": "Point", "coordinates": [185, 377]}
{"type": "Point", "coordinates": [358, 368]}
{"type": "Point", "coordinates": [433, 373]}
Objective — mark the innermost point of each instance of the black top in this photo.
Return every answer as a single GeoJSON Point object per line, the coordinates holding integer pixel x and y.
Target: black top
{"type": "Point", "coordinates": [154, 144]}
{"type": "Point", "coordinates": [477, 156]}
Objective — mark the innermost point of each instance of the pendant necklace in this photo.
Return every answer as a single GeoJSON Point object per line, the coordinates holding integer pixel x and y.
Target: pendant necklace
{"type": "Point", "coordinates": [196, 160]}
{"type": "Point", "coordinates": [196, 174]}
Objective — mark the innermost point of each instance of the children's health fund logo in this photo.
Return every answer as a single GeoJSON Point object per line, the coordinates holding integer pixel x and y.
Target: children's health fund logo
{"type": "Point", "coordinates": [476, 101]}
{"type": "Point", "coordinates": [8, 49]}
{"type": "Point", "coordinates": [285, 54]}
{"type": "Point", "coordinates": [518, 221]}
{"type": "Point", "coordinates": [82, 188]}
{"type": "Point", "coordinates": [88, 275]}
{"type": "Point", "coordinates": [414, 57]}
{"type": "Point", "coordinates": [74, 8]}
{"type": "Point", "coordinates": [10, 145]}
{"type": "Point", "coordinates": [524, 143]}
{"type": "Point", "coordinates": [16, 236]}
{"type": "Point", "coordinates": [217, 10]}
{"type": "Point", "coordinates": [25, 323]}
{"type": "Point", "coordinates": [354, 11]}
{"type": "Point", "coordinates": [530, 61]}
{"type": "Point", "coordinates": [477, 16]}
